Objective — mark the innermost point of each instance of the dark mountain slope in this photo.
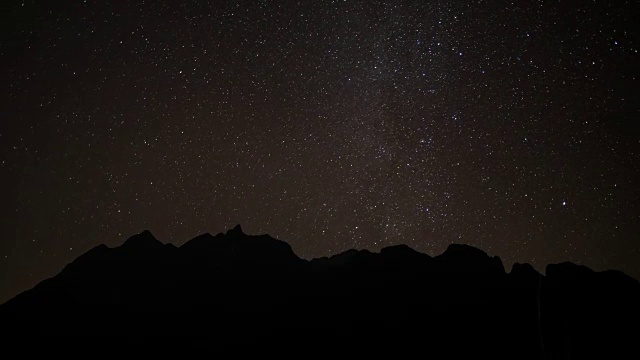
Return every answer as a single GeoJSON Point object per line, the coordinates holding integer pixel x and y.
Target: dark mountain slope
{"type": "Point", "coordinates": [229, 290]}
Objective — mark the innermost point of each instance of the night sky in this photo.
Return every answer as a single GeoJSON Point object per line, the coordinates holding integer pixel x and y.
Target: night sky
{"type": "Point", "coordinates": [511, 126]}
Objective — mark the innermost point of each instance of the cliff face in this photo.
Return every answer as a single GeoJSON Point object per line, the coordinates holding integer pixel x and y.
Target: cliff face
{"type": "Point", "coordinates": [234, 289]}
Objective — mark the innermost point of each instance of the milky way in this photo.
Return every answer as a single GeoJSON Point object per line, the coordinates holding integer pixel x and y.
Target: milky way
{"type": "Point", "coordinates": [510, 126]}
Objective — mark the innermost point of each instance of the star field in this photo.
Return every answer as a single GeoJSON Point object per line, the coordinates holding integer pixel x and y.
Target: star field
{"type": "Point", "coordinates": [510, 126]}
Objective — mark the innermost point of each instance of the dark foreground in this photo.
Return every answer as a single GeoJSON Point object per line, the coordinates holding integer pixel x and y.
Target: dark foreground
{"type": "Point", "coordinates": [234, 292]}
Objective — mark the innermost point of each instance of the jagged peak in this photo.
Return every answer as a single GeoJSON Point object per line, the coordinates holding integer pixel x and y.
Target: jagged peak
{"type": "Point", "coordinates": [141, 240]}
{"type": "Point", "coordinates": [236, 246]}
{"type": "Point", "coordinates": [200, 241]}
{"type": "Point", "coordinates": [470, 257]}
{"type": "Point", "coordinates": [455, 249]}
{"type": "Point", "coordinates": [205, 236]}
{"type": "Point", "coordinates": [401, 248]}
{"type": "Point", "coordinates": [237, 230]}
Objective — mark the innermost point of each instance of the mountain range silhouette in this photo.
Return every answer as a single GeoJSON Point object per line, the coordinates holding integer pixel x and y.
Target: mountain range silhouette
{"type": "Point", "coordinates": [233, 290]}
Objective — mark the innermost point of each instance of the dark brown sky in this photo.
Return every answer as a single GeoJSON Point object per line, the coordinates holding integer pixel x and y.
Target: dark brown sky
{"type": "Point", "coordinates": [328, 124]}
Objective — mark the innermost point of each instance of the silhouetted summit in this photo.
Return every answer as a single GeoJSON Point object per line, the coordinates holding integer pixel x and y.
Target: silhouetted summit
{"type": "Point", "coordinates": [236, 231]}
{"type": "Point", "coordinates": [235, 248]}
{"type": "Point", "coordinates": [237, 289]}
{"type": "Point", "coordinates": [467, 259]}
{"type": "Point", "coordinates": [144, 240]}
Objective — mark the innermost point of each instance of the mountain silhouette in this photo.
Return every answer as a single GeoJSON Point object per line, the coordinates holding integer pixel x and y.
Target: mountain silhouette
{"type": "Point", "coordinates": [232, 290]}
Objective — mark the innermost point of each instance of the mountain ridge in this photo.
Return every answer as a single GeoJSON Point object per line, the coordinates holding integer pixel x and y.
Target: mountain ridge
{"type": "Point", "coordinates": [257, 285]}
{"type": "Point", "coordinates": [146, 236]}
